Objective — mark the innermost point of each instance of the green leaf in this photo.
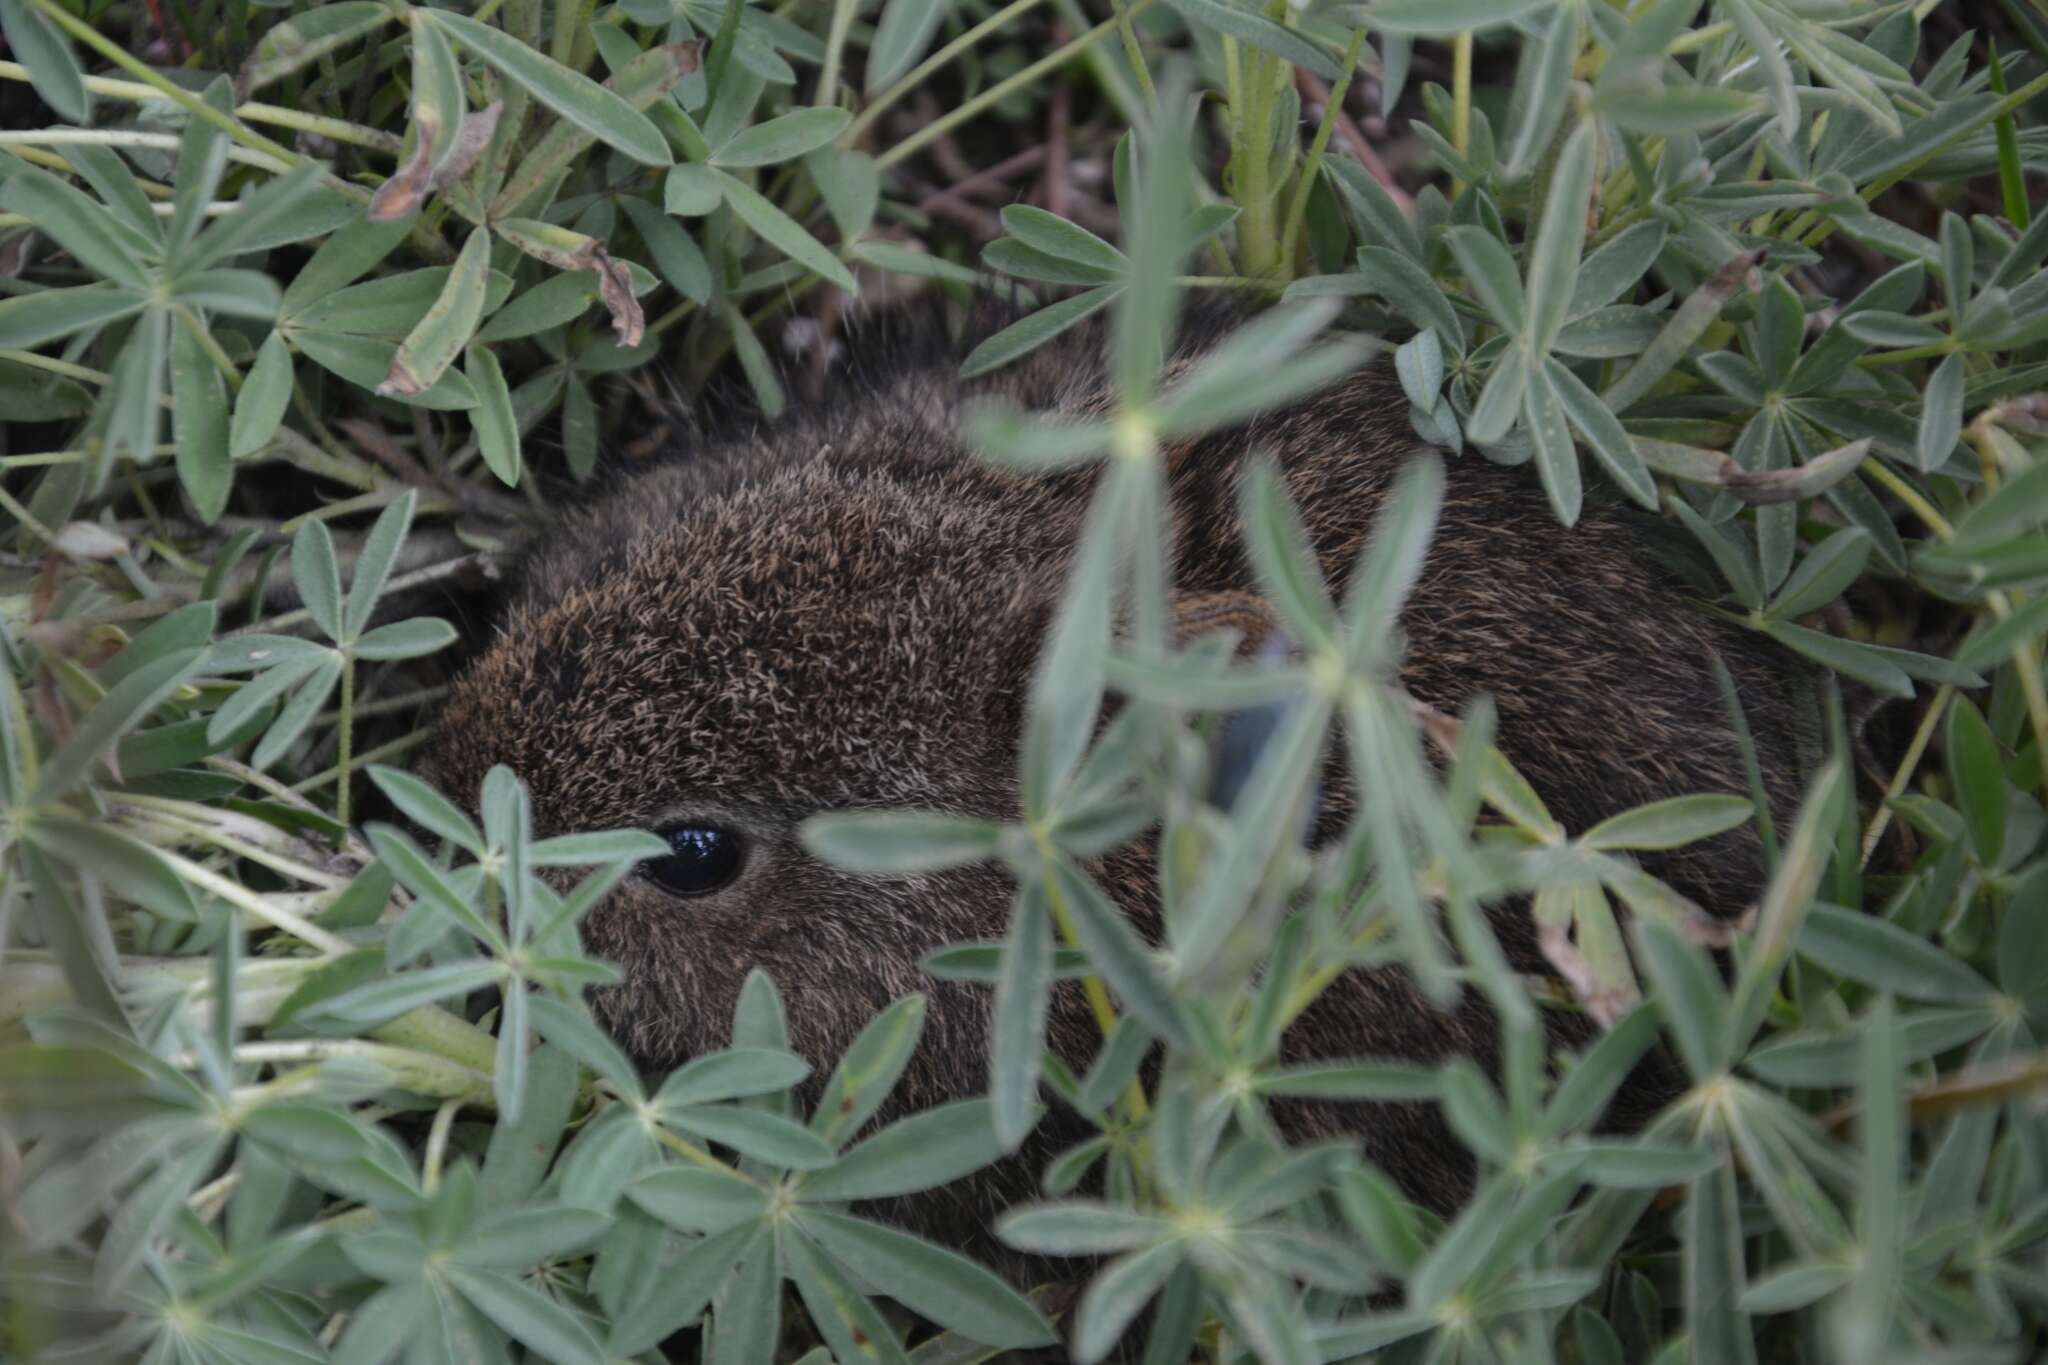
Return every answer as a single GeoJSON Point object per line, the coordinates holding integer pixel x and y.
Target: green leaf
{"type": "Point", "coordinates": [1361, 1080]}
{"type": "Point", "coordinates": [378, 1001]}
{"type": "Point", "coordinates": [1997, 644]}
{"type": "Point", "coordinates": [1118, 1293]}
{"type": "Point", "coordinates": [1542, 89]}
{"type": "Point", "coordinates": [439, 105]}
{"type": "Point", "coordinates": [1029, 333]}
{"type": "Point", "coordinates": [1864, 663]}
{"type": "Point", "coordinates": [1557, 460]}
{"type": "Point", "coordinates": [698, 1199]}
{"type": "Point", "coordinates": [1105, 934]}
{"type": "Point", "coordinates": [126, 705]}
{"type": "Point", "coordinates": [526, 1315]}
{"type": "Point", "coordinates": [869, 1069]}
{"type": "Point", "coordinates": [1977, 770]}
{"type": "Point", "coordinates": [1062, 240]}
{"type": "Point", "coordinates": [41, 47]}
{"type": "Point", "coordinates": [781, 231]}
{"type": "Point", "coordinates": [374, 564]}
{"type": "Point", "coordinates": [1595, 421]}
{"type": "Point", "coordinates": [1490, 270]}
{"type": "Point", "coordinates": [431, 347]}
{"type": "Point", "coordinates": [747, 1314]}
{"type": "Point", "coordinates": [766, 1137]}
{"type": "Point", "coordinates": [1500, 402]}
{"type": "Point", "coordinates": [898, 842]}
{"type": "Point", "coordinates": [731, 1074]}
{"type": "Point", "coordinates": [1872, 950]}
{"type": "Point", "coordinates": [675, 252]}
{"type": "Point", "coordinates": [199, 420]}
{"type": "Point", "coordinates": [937, 1284]}
{"type": "Point", "coordinates": [1441, 18]}
{"type": "Point", "coordinates": [1672, 823]}
{"type": "Point", "coordinates": [784, 138]}
{"type": "Point", "coordinates": [128, 867]}
{"type": "Point", "coordinates": [850, 185]}
{"type": "Point", "coordinates": [1258, 31]}
{"type": "Point", "coordinates": [1012, 257]}
{"type": "Point", "coordinates": [76, 223]}
{"type": "Point", "coordinates": [851, 1324]}
{"type": "Point", "coordinates": [424, 879]}
{"type": "Point", "coordinates": [1560, 237]}
{"type": "Point", "coordinates": [495, 423]}
{"type": "Point", "coordinates": [1689, 995]}
{"type": "Point", "coordinates": [137, 391]}
{"type": "Point", "coordinates": [573, 96]}
{"type": "Point", "coordinates": [1941, 414]}
{"type": "Point", "coordinates": [921, 1152]}
{"type": "Point", "coordinates": [405, 639]}
{"type": "Point", "coordinates": [691, 190]}
{"type": "Point", "coordinates": [1823, 575]}
{"type": "Point", "coordinates": [290, 208]}
{"type": "Point", "coordinates": [902, 35]}
{"type": "Point", "coordinates": [260, 406]}
{"type": "Point", "coordinates": [1022, 995]}
{"type": "Point", "coordinates": [426, 807]}
{"type": "Point", "coordinates": [317, 575]}
{"type": "Point", "coordinates": [604, 846]}
{"type": "Point", "coordinates": [28, 320]}
{"type": "Point", "coordinates": [304, 38]}
{"type": "Point", "coordinates": [1614, 267]}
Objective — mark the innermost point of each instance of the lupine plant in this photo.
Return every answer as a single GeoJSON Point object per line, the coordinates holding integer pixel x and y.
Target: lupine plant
{"type": "Point", "coordinates": [310, 312]}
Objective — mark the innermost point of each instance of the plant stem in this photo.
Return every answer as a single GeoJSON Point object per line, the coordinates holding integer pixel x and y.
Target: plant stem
{"type": "Point", "coordinates": [1305, 182]}
{"type": "Point", "coordinates": [924, 70]}
{"type": "Point", "coordinates": [1911, 760]}
{"type": "Point", "coordinates": [1461, 97]}
{"type": "Point", "coordinates": [334, 129]}
{"type": "Point", "coordinates": [1135, 54]}
{"type": "Point", "coordinates": [344, 735]}
{"type": "Point", "coordinates": [939, 127]}
{"type": "Point", "coordinates": [835, 50]}
{"type": "Point", "coordinates": [263, 908]}
{"type": "Point", "coordinates": [378, 754]}
{"type": "Point", "coordinates": [121, 57]}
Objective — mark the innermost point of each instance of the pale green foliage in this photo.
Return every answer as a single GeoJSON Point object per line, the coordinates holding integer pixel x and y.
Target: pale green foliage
{"type": "Point", "coordinates": [275, 1089]}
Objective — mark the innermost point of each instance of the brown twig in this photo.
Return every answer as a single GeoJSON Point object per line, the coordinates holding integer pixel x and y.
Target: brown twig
{"type": "Point", "coordinates": [1053, 184]}
{"type": "Point", "coordinates": [1006, 169]}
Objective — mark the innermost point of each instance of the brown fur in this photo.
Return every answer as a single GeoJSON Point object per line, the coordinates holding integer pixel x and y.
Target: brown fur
{"type": "Point", "coordinates": [844, 612]}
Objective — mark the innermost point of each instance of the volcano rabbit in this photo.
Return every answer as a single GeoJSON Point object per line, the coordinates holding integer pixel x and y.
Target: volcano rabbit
{"type": "Point", "coordinates": [843, 611]}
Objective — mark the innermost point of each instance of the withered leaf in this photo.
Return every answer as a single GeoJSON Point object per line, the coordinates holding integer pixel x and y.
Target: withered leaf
{"type": "Point", "coordinates": [408, 188]}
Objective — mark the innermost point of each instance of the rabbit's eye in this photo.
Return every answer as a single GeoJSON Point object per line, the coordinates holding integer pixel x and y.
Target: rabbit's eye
{"type": "Point", "coordinates": [700, 860]}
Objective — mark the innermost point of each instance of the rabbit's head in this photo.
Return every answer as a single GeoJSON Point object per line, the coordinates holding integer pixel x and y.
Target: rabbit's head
{"type": "Point", "coordinates": [713, 655]}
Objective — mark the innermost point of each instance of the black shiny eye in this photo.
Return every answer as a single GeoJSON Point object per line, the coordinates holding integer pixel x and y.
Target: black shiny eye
{"type": "Point", "coordinates": [700, 860]}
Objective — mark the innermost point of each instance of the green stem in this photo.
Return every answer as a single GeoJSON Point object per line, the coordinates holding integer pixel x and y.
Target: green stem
{"type": "Point", "coordinates": [939, 127]}
{"type": "Point", "coordinates": [1297, 211]}
{"type": "Point", "coordinates": [203, 334]}
{"type": "Point", "coordinates": [924, 70]}
{"type": "Point", "coordinates": [121, 57]}
{"type": "Point", "coordinates": [835, 51]}
{"type": "Point", "coordinates": [344, 734]}
{"type": "Point", "coordinates": [1135, 54]}
{"type": "Point", "coordinates": [1461, 97]}
{"type": "Point", "coordinates": [396, 747]}
{"type": "Point", "coordinates": [339, 130]}
{"type": "Point", "coordinates": [1258, 242]}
